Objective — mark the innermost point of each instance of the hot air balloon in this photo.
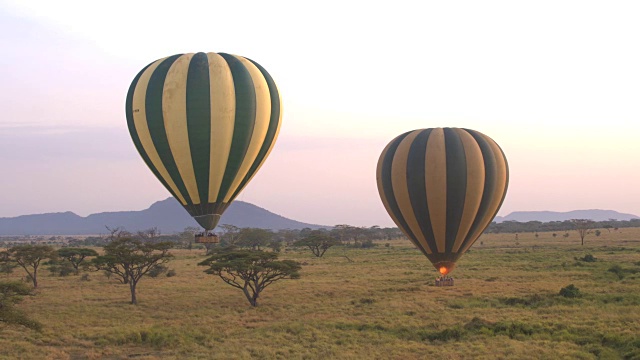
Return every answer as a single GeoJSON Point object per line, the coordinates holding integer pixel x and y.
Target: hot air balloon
{"type": "Point", "coordinates": [204, 123]}
{"type": "Point", "coordinates": [442, 187]}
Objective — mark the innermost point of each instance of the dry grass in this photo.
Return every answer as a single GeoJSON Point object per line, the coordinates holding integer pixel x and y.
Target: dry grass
{"type": "Point", "coordinates": [382, 305]}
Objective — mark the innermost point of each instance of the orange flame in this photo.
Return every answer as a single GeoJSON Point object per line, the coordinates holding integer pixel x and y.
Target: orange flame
{"type": "Point", "coordinates": [443, 270]}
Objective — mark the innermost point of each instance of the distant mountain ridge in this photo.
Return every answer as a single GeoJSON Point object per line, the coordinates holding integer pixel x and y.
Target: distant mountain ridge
{"type": "Point", "coordinates": [167, 215]}
{"type": "Point", "coordinates": [170, 217]}
{"type": "Point", "coordinates": [547, 216]}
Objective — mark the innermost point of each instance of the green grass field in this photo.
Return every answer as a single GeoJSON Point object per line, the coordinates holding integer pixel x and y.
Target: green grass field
{"type": "Point", "coordinates": [383, 305]}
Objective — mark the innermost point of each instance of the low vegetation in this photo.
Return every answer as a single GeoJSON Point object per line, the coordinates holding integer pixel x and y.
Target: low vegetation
{"type": "Point", "coordinates": [11, 293]}
{"type": "Point", "coordinates": [545, 297]}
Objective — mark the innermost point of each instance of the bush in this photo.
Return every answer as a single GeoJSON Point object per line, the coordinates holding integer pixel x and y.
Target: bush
{"type": "Point", "coordinates": [454, 333]}
{"type": "Point", "coordinates": [85, 277]}
{"type": "Point", "coordinates": [570, 291]}
{"type": "Point", "coordinates": [588, 258]}
{"type": "Point", "coordinates": [534, 300]}
{"type": "Point", "coordinates": [618, 270]}
{"type": "Point", "coordinates": [157, 271]}
{"type": "Point", "coordinates": [11, 293]}
{"type": "Point", "coordinates": [61, 269]}
{"type": "Point", "coordinates": [363, 301]}
{"type": "Point", "coordinates": [6, 267]}
{"type": "Point", "coordinates": [367, 244]}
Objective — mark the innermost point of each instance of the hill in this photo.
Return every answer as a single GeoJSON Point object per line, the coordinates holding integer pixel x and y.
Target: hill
{"type": "Point", "coordinates": [167, 215]}
{"type": "Point", "coordinates": [547, 216]}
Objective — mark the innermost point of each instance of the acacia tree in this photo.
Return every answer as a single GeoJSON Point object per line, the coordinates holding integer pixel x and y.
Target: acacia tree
{"type": "Point", "coordinates": [250, 270]}
{"type": "Point", "coordinates": [131, 259]}
{"type": "Point", "coordinates": [230, 234]}
{"type": "Point", "coordinates": [29, 258]}
{"type": "Point", "coordinates": [254, 238]}
{"type": "Point", "coordinates": [76, 255]}
{"type": "Point", "coordinates": [318, 242]}
{"type": "Point", "coordinates": [346, 233]}
{"type": "Point", "coordinates": [287, 236]}
{"type": "Point", "coordinates": [117, 232]}
{"type": "Point", "coordinates": [149, 235]}
{"type": "Point", "coordinates": [187, 236]}
{"type": "Point", "coordinates": [582, 227]}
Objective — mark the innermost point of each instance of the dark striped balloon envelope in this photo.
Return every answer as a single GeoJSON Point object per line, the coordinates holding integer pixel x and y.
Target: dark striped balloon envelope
{"type": "Point", "coordinates": [442, 187]}
{"type": "Point", "coordinates": [204, 123]}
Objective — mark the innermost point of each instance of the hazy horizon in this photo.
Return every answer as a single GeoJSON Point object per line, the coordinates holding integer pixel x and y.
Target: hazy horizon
{"type": "Point", "coordinates": [555, 84]}
{"type": "Point", "coordinates": [499, 218]}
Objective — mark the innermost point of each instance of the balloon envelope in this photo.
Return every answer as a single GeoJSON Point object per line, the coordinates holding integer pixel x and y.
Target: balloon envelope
{"type": "Point", "coordinates": [442, 187]}
{"type": "Point", "coordinates": [204, 123]}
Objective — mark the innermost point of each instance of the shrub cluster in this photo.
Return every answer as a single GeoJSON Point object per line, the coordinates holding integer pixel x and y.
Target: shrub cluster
{"type": "Point", "coordinates": [570, 291]}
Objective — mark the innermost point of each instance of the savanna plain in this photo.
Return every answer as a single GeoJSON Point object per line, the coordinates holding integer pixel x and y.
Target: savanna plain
{"type": "Point", "coordinates": [376, 303]}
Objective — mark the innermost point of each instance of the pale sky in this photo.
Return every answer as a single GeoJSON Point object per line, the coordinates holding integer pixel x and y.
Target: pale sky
{"type": "Point", "coordinates": [555, 83]}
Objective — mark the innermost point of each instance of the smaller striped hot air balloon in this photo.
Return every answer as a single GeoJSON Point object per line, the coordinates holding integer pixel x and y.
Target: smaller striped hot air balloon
{"type": "Point", "coordinates": [204, 123]}
{"type": "Point", "coordinates": [442, 187]}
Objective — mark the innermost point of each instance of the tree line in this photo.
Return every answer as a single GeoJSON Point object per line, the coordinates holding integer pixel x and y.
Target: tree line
{"type": "Point", "coordinates": [538, 226]}
{"type": "Point", "coordinates": [229, 234]}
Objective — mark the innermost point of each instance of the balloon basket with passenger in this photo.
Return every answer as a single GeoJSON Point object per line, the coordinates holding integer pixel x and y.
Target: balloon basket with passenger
{"type": "Point", "coordinates": [207, 238]}
{"type": "Point", "coordinates": [445, 279]}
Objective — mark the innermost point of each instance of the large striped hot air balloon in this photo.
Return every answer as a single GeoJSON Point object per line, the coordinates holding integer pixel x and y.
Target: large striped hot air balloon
{"type": "Point", "coordinates": [442, 187]}
{"type": "Point", "coordinates": [204, 123]}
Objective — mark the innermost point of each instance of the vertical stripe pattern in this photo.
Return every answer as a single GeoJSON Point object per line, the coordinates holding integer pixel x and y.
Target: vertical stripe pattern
{"type": "Point", "coordinates": [204, 123]}
{"type": "Point", "coordinates": [442, 187]}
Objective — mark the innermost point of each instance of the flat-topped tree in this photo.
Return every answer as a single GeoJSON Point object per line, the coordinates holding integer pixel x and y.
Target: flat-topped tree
{"type": "Point", "coordinates": [254, 238]}
{"type": "Point", "coordinates": [250, 270]}
{"type": "Point", "coordinates": [583, 226]}
{"type": "Point", "coordinates": [318, 242]}
{"type": "Point", "coordinates": [230, 234]}
{"type": "Point", "coordinates": [29, 257]}
{"type": "Point", "coordinates": [76, 256]}
{"type": "Point", "coordinates": [131, 259]}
